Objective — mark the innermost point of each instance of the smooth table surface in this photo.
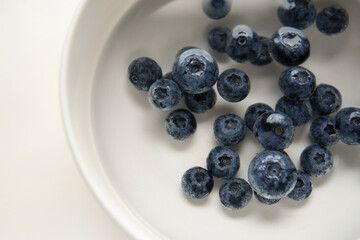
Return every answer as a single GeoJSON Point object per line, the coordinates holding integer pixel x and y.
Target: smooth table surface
{"type": "Point", "coordinates": [43, 195]}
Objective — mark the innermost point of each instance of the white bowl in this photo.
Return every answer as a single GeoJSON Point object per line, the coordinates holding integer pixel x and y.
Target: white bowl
{"type": "Point", "coordinates": [134, 168]}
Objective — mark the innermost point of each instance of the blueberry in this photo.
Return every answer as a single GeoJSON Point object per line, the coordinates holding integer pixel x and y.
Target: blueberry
{"type": "Point", "coordinates": [195, 70]}
{"type": "Point", "coordinates": [169, 75]}
{"type": "Point", "coordinates": [300, 112]}
{"type": "Point", "coordinates": [347, 122]}
{"type": "Point", "coordinates": [326, 99]}
{"type": "Point", "coordinates": [274, 130]}
{"type": "Point", "coordinates": [197, 182]}
{"type": "Point", "coordinates": [233, 85]}
{"type": "Point", "coordinates": [183, 50]}
{"type": "Point", "coordinates": [303, 187]}
{"type": "Point", "coordinates": [290, 46]}
{"type": "Point", "coordinates": [332, 20]}
{"type": "Point", "coordinates": [272, 174]}
{"type": "Point", "coordinates": [202, 102]}
{"type": "Point", "coordinates": [217, 38]}
{"type": "Point", "coordinates": [243, 44]}
{"type": "Point", "coordinates": [266, 201]}
{"type": "Point", "coordinates": [216, 9]}
{"type": "Point", "coordinates": [180, 124]}
{"type": "Point", "coordinates": [316, 160]}
{"type": "Point", "coordinates": [235, 193]}
{"type": "Point", "coordinates": [223, 162]}
{"type": "Point", "coordinates": [143, 72]}
{"type": "Point", "coordinates": [323, 131]}
{"type": "Point", "coordinates": [229, 129]}
{"type": "Point", "coordinates": [297, 83]}
{"type": "Point", "coordinates": [264, 58]}
{"type": "Point", "coordinates": [297, 13]}
{"type": "Point", "coordinates": [164, 94]}
{"type": "Point", "coordinates": [254, 111]}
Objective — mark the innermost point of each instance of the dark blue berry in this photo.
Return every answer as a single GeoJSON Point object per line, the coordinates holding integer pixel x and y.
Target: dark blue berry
{"type": "Point", "coordinates": [143, 72]}
{"type": "Point", "coordinates": [316, 160]}
{"type": "Point", "coordinates": [235, 193]}
{"type": "Point", "coordinates": [229, 129]}
{"type": "Point", "coordinates": [332, 20]}
{"type": "Point", "coordinates": [164, 94]}
{"type": "Point", "coordinates": [233, 85]}
{"type": "Point", "coordinates": [197, 182]}
{"type": "Point", "coordinates": [201, 102]}
{"type": "Point", "coordinates": [180, 124]}
{"type": "Point", "coordinates": [274, 130]}
{"type": "Point", "coordinates": [326, 99]}
{"type": "Point", "coordinates": [223, 162]}
{"type": "Point", "coordinates": [290, 46]}
{"type": "Point", "coordinates": [216, 9]}
{"type": "Point", "coordinates": [254, 111]}
{"type": "Point", "coordinates": [264, 58]}
{"type": "Point", "coordinates": [266, 201]}
{"type": "Point", "coordinates": [217, 38]}
{"type": "Point", "coordinates": [347, 122]}
{"type": "Point", "coordinates": [303, 187]}
{"type": "Point", "coordinates": [300, 112]}
{"type": "Point", "coordinates": [169, 75]}
{"type": "Point", "coordinates": [272, 174]}
{"type": "Point", "coordinates": [323, 131]}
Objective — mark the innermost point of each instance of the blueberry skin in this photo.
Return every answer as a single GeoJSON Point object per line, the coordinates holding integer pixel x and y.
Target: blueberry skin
{"type": "Point", "coordinates": [274, 130]}
{"type": "Point", "coordinates": [298, 14]}
{"type": "Point", "coordinates": [169, 75]}
{"type": "Point", "coordinates": [216, 9]}
{"type": "Point", "coordinates": [143, 72]}
{"type": "Point", "coordinates": [180, 124]}
{"type": "Point", "coordinates": [164, 94]}
{"type": "Point", "coordinates": [316, 161]}
{"type": "Point", "coordinates": [347, 122]}
{"type": "Point", "coordinates": [183, 50]}
{"type": "Point", "coordinates": [266, 201]}
{"type": "Point", "coordinates": [290, 46]}
{"type": "Point", "coordinates": [272, 174]}
{"type": "Point", "coordinates": [197, 182]}
{"type": "Point", "coordinates": [300, 112]}
{"type": "Point", "coordinates": [243, 44]}
{"type": "Point", "coordinates": [223, 162]}
{"type": "Point", "coordinates": [229, 129]}
{"type": "Point", "coordinates": [264, 58]}
{"type": "Point", "coordinates": [217, 38]}
{"type": "Point", "coordinates": [303, 187]}
{"type": "Point", "coordinates": [323, 131]}
{"type": "Point", "coordinates": [195, 70]}
{"type": "Point", "coordinates": [332, 20]}
{"type": "Point", "coordinates": [235, 193]}
{"type": "Point", "coordinates": [326, 99]}
{"type": "Point", "coordinates": [233, 85]}
{"type": "Point", "coordinates": [297, 83]}
{"type": "Point", "coordinates": [202, 102]}
{"type": "Point", "coordinates": [254, 111]}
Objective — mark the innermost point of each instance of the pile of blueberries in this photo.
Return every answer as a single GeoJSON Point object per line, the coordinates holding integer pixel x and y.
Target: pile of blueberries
{"type": "Point", "coordinates": [271, 173]}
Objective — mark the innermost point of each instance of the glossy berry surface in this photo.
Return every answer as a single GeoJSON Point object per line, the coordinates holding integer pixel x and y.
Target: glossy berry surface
{"type": "Point", "coordinates": [264, 58]}
{"type": "Point", "coordinates": [316, 160]}
{"type": "Point", "coordinates": [216, 9]}
{"type": "Point", "coordinates": [180, 124]}
{"type": "Point", "coordinates": [303, 187]}
{"type": "Point", "coordinates": [195, 70]}
{"type": "Point", "coordinates": [254, 111]}
{"type": "Point", "coordinates": [272, 174]}
{"type": "Point", "coordinates": [297, 83]}
{"type": "Point", "coordinates": [235, 193]}
{"type": "Point", "coordinates": [274, 130]}
{"type": "Point", "coordinates": [197, 182]}
{"type": "Point", "coordinates": [229, 129]}
{"type": "Point", "coordinates": [300, 112]}
{"type": "Point", "coordinates": [290, 46]}
{"type": "Point", "coordinates": [243, 44]}
{"type": "Point", "coordinates": [347, 122]}
{"type": "Point", "coordinates": [217, 38]}
{"type": "Point", "coordinates": [297, 13]}
{"type": "Point", "coordinates": [266, 201]}
{"type": "Point", "coordinates": [323, 131]}
{"type": "Point", "coordinates": [223, 162]}
{"type": "Point", "coordinates": [332, 20]}
{"type": "Point", "coordinates": [233, 85]}
{"type": "Point", "coordinates": [164, 94]}
{"type": "Point", "coordinates": [326, 99]}
{"type": "Point", "coordinates": [143, 72]}
{"type": "Point", "coordinates": [201, 102]}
